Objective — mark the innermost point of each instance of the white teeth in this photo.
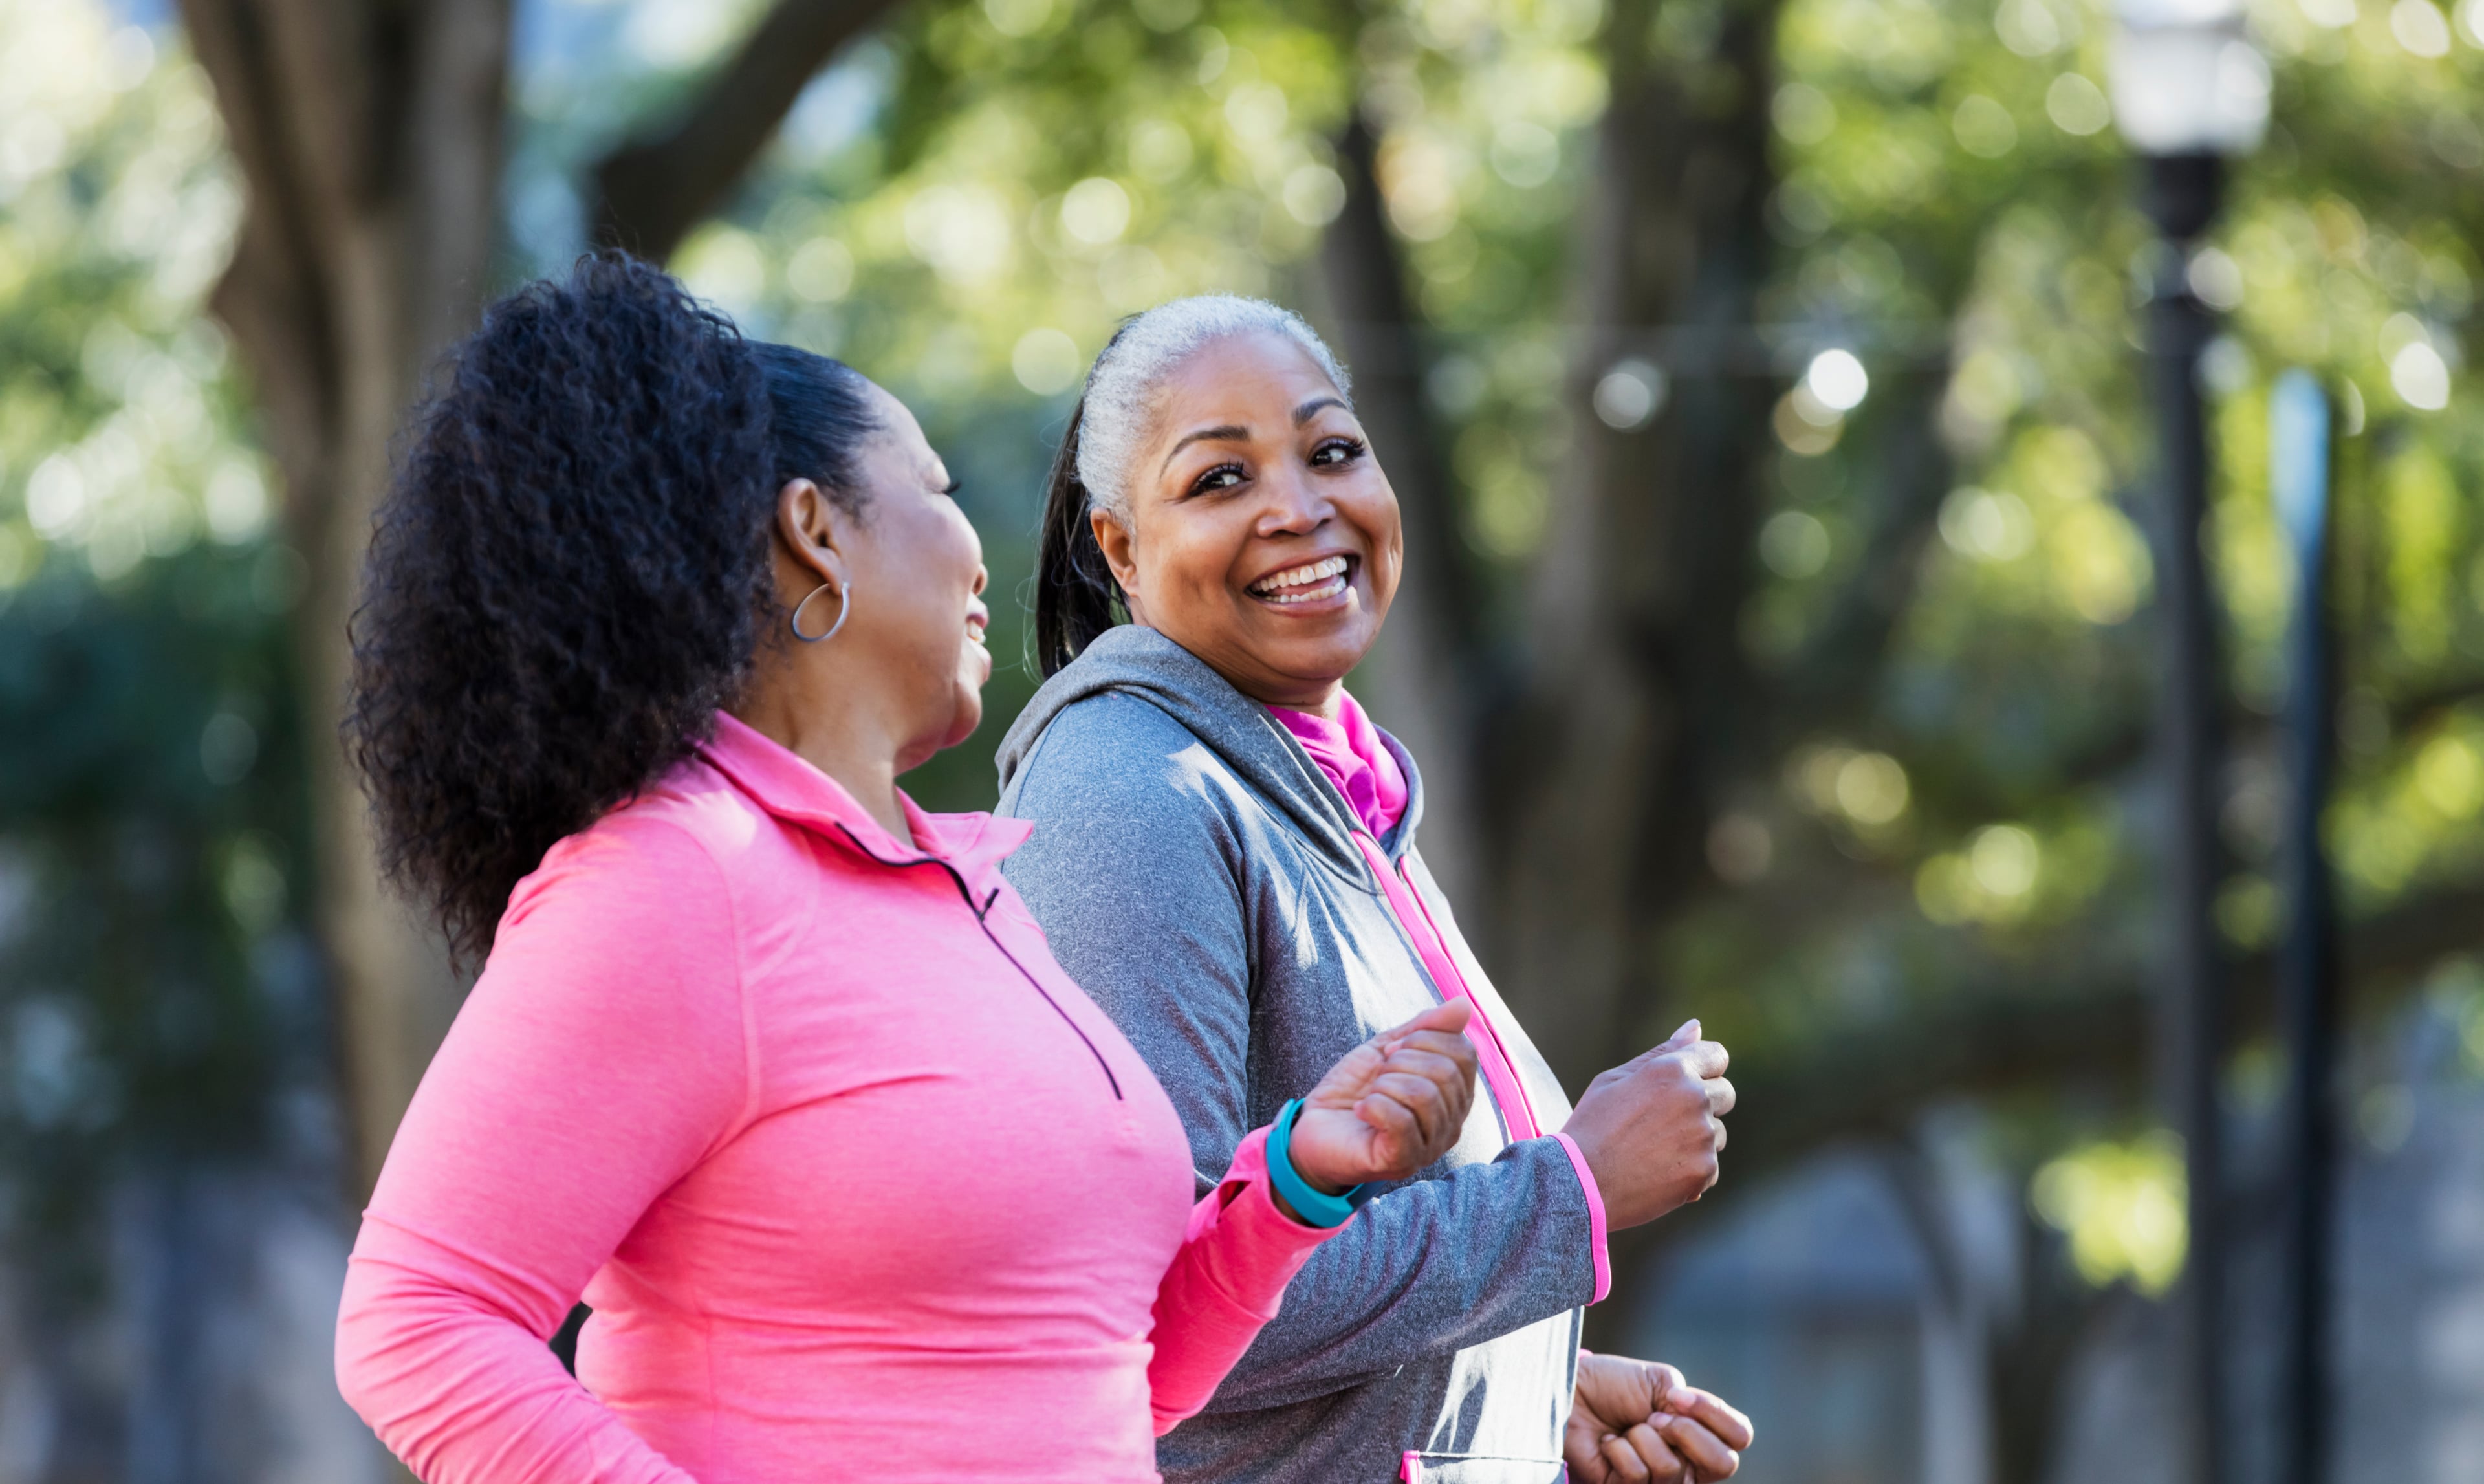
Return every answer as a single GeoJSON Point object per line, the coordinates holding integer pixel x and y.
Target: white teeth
{"type": "Point", "coordinates": [1329, 573]}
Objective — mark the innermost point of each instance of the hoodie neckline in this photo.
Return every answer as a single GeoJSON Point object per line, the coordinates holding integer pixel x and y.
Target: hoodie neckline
{"type": "Point", "coordinates": [788, 788]}
{"type": "Point", "coordinates": [1350, 754]}
{"type": "Point", "coordinates": [1149, 667]}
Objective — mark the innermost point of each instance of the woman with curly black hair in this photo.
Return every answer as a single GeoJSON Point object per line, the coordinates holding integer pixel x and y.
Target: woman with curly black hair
{"type": "Point", "coordinates": [768, 1064]}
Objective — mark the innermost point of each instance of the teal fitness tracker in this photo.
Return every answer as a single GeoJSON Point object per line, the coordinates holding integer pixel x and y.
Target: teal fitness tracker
{"type": "Point", "coordinates": [1313, 1206]}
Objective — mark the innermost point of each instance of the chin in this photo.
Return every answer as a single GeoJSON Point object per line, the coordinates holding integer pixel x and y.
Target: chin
{"type": "Point", "coordinates": [968, 715]}
{"type": "Point", "coordinates": [1329, 656]}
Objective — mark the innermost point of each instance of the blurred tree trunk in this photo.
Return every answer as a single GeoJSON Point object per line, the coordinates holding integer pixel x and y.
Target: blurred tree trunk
{"type": "Point", "coordinates": [2031, 1352]}
{"type": "Point", "coordinates": [1426, 680]}
{"type": "Point", "coordinates": [1632, 702]}
{"type": "Point", "coordinates": [1634, 689]}
{"type": "Point", "coordinates": [368, 132]}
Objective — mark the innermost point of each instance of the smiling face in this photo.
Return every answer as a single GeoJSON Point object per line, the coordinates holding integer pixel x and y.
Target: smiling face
{"type": "Point", "coordinates": [1261, 534]}
{"type": "Point", "coordinates": [904, 675]}
{"type": "Point", "coordinates": [918, 569]}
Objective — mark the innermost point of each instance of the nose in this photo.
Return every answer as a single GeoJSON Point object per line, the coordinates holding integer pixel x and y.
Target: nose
{"type": "Point", "coordinates": [1294, 505]}
{"type": "Point", "coordinates": [983, 579]}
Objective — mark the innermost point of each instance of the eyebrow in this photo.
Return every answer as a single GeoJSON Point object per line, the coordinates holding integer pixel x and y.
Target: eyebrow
{"type": "Point", "coordinates": [1224, 432]}
{"type": "Point", "coordinates": [1234, 432]}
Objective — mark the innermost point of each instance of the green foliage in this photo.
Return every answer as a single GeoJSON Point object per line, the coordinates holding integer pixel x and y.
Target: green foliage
{"type": "Point", "coordinates": [966, 205]}
{"type": "Point", "coordinates": [2122, 1207]}
{"type": "Point", "coordinates": [1955, 205]}
{"type": "Point", "coordinates": [153, 985]}
{"type": "Point", "coordinates": [963, 206]}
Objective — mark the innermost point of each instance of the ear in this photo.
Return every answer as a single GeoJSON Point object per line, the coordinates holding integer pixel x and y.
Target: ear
{"type": "Point", "coordinates": [816, 532]}
{"type": "Point", "coordinates": [1120, 549]}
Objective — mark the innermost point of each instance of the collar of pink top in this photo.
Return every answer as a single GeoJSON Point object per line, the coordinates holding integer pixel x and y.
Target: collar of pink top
{"type": "Point", "coordinates": [781, 782]}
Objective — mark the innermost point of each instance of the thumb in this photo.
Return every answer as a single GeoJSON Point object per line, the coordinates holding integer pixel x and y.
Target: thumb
{"type": "Point", "coordinates": [1689, 1033]}
{"type": "Point", "coordinates": [1450, 1016]}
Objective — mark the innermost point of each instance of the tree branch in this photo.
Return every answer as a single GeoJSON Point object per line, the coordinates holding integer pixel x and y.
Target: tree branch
{"type": "Point", "coordinates": [651, 191]}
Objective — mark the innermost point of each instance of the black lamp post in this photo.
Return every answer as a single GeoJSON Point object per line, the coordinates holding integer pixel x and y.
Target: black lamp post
{"type": "Point", "coordinates": [2188, 90]}
{"type": "Point", "coordinates": [2308, 966]}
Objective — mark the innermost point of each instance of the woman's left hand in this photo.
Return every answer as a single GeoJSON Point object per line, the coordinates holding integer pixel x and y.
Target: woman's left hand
{"type": "Point", "coordinates": [1390, 1106]}
{"type": "Point", "coordinates": [1633, 1421]}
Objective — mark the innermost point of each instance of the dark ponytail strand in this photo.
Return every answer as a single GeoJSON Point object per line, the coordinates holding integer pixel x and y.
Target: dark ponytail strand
{"type": "Point", "coordinates": [1075, 596]}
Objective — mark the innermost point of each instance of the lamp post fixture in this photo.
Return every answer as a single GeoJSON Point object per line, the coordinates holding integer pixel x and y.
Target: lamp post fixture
{"type": "Point", "coordinates": [2188, 90]}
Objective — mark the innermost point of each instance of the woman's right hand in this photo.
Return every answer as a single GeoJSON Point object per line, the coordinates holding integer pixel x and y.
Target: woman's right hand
{"type": "Point", "coordinates": [1651, 1127]}
{"type": "Point", "coordinates": [1390, 1106]}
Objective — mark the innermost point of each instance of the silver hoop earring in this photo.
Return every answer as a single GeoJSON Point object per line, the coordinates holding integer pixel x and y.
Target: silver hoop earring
{"type": "Point", "coordinates": [845, 611]}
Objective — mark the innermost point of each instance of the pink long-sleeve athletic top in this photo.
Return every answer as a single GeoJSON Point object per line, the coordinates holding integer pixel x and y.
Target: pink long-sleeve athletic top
{"type": "Point", "coordinates": [858, 1182]}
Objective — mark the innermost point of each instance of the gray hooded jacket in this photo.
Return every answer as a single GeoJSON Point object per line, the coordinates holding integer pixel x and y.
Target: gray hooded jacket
{"type": "Point", "coordinates": [1198, 874]}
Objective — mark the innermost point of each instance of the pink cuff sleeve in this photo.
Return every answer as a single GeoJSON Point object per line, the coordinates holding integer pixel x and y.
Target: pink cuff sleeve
{"type": "Point", "coordinates": [1595, 1216]}
{"type": "Point", "coordinates": [1226, 1283]}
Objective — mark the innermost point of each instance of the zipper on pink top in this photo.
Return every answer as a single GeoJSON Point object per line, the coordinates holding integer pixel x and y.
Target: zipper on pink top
{"type": "Point", "coordinates": [982, 919]}
{"type": "Point", "coordinates": [1432, 947]}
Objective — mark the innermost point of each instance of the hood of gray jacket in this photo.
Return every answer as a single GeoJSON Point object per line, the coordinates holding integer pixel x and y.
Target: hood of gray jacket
{"type": "Point", "coordinates": [1144, 664]}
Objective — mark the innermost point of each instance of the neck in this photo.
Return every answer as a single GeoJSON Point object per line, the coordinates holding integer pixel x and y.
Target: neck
{"type": "Point", "coordinates": [1327, 704]}
{"type": "Point", "coordinates": [1324, 699]}
{"type": "Point", "coordinates": [1321, 698]}
{"type": "Point", "coordinates": [858, 754]}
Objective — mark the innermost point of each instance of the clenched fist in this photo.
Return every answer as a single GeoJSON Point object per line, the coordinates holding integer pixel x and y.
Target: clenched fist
{"type": "Point", "coordinates": [1633, 1421]}
{"type": "Point", "coordinates": [1390, 1106]}
{"type": "Point", "coordinates": [1651, 1128]}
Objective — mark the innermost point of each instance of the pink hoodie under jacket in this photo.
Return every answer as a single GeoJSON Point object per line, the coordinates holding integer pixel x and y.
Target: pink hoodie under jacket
{"type": "Point", "coordinates": [858, 1182]}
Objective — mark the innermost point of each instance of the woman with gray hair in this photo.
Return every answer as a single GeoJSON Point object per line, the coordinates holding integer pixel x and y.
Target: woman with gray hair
{"type": "Point", "coordinates": [1226, 859]}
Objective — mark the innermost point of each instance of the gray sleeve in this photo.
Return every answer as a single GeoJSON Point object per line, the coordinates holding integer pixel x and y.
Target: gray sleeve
{"type": "Point", "coordinates": [1430, 1267]}
{"type": "Point", "coordinates": [1138, 884]}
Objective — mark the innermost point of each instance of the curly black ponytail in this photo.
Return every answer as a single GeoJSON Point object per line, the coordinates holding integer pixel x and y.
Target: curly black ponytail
{"type": "Point", "coordinates": [572, 571]}
{"type": "Point", "coordinates": [1075, 596]}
